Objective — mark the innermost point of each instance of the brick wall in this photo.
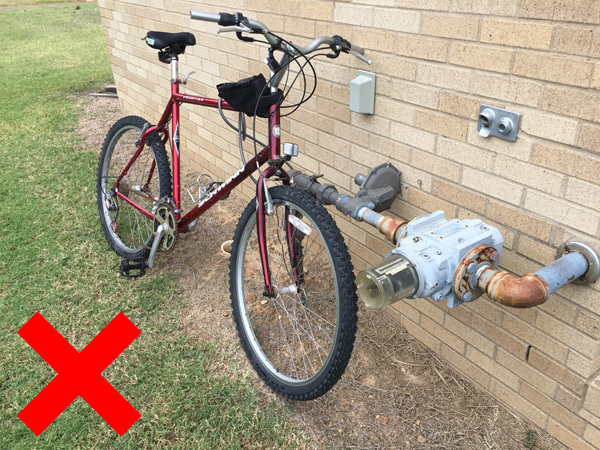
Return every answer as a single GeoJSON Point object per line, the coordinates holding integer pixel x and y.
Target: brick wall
{"type": "Point", "coordinates": [436, 61]}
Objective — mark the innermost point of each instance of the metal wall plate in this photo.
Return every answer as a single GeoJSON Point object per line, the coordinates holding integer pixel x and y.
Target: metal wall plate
{"type": "Point", "coordinates": [498, 122]}
{"type": "Point", "coordinates": [593, 272]}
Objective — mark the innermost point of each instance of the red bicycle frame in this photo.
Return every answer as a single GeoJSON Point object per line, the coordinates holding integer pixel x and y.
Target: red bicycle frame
{"type": "Point", "coordinates": [271, 153]}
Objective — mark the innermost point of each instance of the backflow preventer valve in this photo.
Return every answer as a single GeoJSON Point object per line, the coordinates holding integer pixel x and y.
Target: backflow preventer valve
{"type": "Point", "coordinates": [457, 260]}
{"type": "Point", "coordinates": [426, 259]}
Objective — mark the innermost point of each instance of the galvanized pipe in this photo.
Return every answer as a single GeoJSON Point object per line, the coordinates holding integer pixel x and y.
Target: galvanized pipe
{"type": "Point", "coordinates": [477, 272]}
{"type": "Point", "coordinates": [564, 270]}
{"type": "Point", "coordinates": [386, 225]}
{"type": "Point", "coordinates": [358, 207]}
{"type": "Point", "coordinates": [534, 288]}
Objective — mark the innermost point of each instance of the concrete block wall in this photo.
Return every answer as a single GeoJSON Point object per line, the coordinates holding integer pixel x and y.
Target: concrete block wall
{"type": "Point", "coordinates": [436, 62]}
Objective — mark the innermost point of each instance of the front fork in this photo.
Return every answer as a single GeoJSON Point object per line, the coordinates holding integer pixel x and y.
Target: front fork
{"type": "Point", "coordinates": [261, 213]}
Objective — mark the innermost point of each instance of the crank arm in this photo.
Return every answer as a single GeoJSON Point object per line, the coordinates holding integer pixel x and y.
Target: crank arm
{"type": "Point", "coordinates": [160, 232]}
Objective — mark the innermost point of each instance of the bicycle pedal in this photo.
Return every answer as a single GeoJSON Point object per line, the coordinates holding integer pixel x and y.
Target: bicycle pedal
{"type": "Point", "coordinates": [133, 268]}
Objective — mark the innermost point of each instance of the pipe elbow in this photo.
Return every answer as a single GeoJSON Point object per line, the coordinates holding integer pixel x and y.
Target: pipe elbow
{"type": "Point", "coordinates": [517, 292]}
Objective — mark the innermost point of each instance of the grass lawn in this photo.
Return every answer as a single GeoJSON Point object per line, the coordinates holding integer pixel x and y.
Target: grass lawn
{"type": "Point", "coordinates": [32, 2]}
{"type": "Point", "coordinates": [53, 259]}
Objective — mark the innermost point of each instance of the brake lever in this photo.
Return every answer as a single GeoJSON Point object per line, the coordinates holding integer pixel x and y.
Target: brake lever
{"type": "Point", "coordinates": [241, 28]}
{"type": "Point", "coordinates": [359, 56]}
{"type": "Point", "coordinates": [335, 54]}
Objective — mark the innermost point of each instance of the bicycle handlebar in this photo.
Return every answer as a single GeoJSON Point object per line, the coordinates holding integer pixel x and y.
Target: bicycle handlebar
{"type": "Point", "coordinates": [207, 17]}
{"type": "Point", "coordinates": [225, 19]}
{"type": "Point", "coordinates": [241, 24]}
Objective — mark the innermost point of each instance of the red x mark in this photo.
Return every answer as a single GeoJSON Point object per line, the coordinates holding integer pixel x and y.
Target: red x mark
{"type": "Point", "coordinates": [79, 373]}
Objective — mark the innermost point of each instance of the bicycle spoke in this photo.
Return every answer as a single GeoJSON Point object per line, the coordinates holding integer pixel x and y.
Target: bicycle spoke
{"type": "Point", "coordinates": [308, 310]}
{"type": "Point", "coordinates": [303, 335]}
{"type": "Point", "coordinates": [286, 341]}
{"type": "Point", "coordinates": [129, 231]}
{"type": "Point", "coordinates": [297, 338]}
{"type": "Point", "coordinates": [300, 327]}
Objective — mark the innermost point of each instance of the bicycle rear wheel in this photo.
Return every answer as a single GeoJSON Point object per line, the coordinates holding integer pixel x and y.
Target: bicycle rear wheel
{"type": "Point", "coordinates": [300, 340]}
{"type": "Point", "coordinates": [127, 230]}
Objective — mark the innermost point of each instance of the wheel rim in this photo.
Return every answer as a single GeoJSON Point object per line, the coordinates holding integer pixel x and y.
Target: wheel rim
{"type": "Point", "coordinates": [293, 334]}
{"type": "Point", "coordinates": [129, 228]}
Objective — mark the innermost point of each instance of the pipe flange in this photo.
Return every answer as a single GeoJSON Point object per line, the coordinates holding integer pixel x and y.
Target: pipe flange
{"type": "Point", "coordinates": [590, 254]}
{"type": "Point", "coordinates": [464, 283]}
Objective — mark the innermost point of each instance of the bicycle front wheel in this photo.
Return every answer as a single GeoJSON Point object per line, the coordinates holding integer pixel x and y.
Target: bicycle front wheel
{"type": "Point", "coordinates": [129, 232]}
{"type": "Point", "coordinates": [300, 339]}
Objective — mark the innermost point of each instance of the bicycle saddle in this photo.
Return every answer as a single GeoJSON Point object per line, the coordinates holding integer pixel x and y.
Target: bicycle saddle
{"type": "Point", "coordinates": [160, 40]}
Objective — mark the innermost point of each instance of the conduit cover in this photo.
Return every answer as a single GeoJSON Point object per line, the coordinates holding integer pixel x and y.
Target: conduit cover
{"type": "Point", "coordinates": [362, 93]}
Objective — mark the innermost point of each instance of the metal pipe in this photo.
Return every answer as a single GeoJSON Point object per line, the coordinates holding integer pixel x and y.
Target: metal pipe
{"type": "Point", "coordinates": [564, 270]}
{"type": "Point", "coordinates": [518, 292]}
{"type": "Point", "coordinates": [375, 192]}
{"type": "Point", "coordinates": [475, 273]}
{"type": "Point", "coordinates": [174, 69]}
{"type": "Point", "coordinates": [386, 225]}
{"type": "Point", "coordinates": [534, 288]}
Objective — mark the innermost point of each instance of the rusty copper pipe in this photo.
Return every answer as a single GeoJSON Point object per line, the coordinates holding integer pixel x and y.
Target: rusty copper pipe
{"type": "Point", "coordinates": [390, 228]}
{"type": "Point", "coordinates": [517, 292]}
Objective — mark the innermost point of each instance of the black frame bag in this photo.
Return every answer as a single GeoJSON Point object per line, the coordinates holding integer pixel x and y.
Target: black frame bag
{"type": "Point", "coordinates": [244, 95]}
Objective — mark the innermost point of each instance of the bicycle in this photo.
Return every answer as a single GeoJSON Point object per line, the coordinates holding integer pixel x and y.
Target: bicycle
{"type": "Point", "coordinates": [292, 284]}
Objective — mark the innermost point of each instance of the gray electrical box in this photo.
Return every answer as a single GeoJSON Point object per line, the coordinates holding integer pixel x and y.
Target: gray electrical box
{"type": "Point", "coordinates": [362, 93]}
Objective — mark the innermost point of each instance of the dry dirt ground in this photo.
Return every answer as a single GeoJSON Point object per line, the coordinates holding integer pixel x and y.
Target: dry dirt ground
{"type": "Point", "coordinates": [395, 392]}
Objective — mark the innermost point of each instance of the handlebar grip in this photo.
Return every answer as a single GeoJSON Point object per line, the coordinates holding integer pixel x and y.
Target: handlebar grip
{"type": "Point", "coordinates": [207, 17]}
{"type": "Point", "coordinates": [357, 49]}
{"type": "Point", "coordinates": [226, 20]}
{"type": "Point", "coordinates": [359, 52]}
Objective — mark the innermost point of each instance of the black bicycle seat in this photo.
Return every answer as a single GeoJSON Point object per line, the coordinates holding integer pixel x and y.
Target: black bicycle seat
{"type": "Point", "coordinates": [160, 40]}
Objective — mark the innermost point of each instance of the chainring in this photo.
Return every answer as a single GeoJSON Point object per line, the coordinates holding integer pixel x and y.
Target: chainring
{"type": "Point", "coordinates": [164, 214]}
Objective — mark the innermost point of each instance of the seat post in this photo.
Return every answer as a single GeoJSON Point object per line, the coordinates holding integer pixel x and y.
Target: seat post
{"type": "Point", "coordinates": [174, 68]}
